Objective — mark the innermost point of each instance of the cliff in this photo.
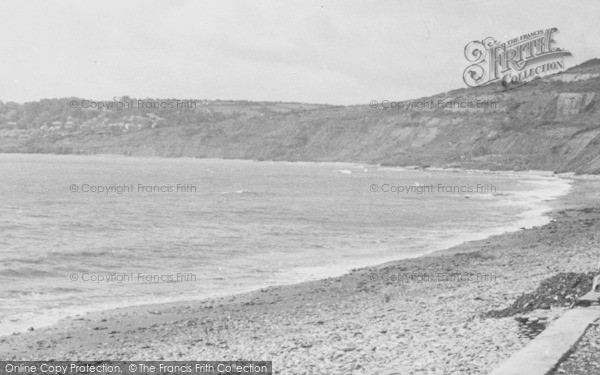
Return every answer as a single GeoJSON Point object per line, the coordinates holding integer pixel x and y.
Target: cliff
{"type": "Point", "coordinates": [552, 123]}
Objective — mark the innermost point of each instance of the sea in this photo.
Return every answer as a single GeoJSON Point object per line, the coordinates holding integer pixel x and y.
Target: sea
{"type": "Point", "coordinates": [88, 233]}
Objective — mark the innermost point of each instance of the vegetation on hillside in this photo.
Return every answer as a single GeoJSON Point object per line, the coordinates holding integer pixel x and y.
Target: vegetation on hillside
{"type": "Point", "coordinates": [551, 123]}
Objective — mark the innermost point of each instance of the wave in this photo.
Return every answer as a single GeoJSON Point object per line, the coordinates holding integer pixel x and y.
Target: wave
{"type": "Point", "coordinates": [79, 254]}
{"type": "Point", "coordinates": [25, 273]}
{"type": "Point", "coordinates": [245, 192]}
{"type": "Point", "coordinates": [51, 291]}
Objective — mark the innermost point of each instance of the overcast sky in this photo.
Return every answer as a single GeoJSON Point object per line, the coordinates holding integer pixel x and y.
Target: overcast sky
{"type": "Point", "coordinates": [338, 52]}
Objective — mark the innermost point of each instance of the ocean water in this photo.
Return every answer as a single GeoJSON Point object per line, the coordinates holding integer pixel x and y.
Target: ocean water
{"type": "Point", "coordinates": [83, 233]}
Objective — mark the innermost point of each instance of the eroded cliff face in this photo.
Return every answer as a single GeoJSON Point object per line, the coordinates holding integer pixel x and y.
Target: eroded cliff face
{"type": "Point", "coordinates": [574, 103]}
{"type": "Point", "coordinates": [551, 123]}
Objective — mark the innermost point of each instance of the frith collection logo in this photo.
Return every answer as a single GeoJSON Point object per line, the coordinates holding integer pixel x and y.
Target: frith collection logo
{"type": "Point", "coordinates": [516, 61]}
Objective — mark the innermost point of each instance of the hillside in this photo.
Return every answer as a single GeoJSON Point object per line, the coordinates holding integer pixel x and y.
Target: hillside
{"type": "Point", "coordinates": [551, 123]}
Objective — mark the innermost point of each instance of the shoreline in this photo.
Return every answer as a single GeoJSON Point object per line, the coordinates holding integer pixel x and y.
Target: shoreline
{"type": "Point", "coordinates": [448, 168]}
{"type": "Point", "coordinates": [371, 320]}
{"type": "Point", "coordinates": [535, 213]}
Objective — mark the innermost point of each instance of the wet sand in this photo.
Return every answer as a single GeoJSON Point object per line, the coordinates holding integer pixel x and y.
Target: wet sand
{"type": "Point", "coordinates": [415, 316]}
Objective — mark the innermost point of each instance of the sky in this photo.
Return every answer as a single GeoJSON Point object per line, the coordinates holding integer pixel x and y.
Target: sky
{"type": "Point", "coordinates": [337, 52]}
